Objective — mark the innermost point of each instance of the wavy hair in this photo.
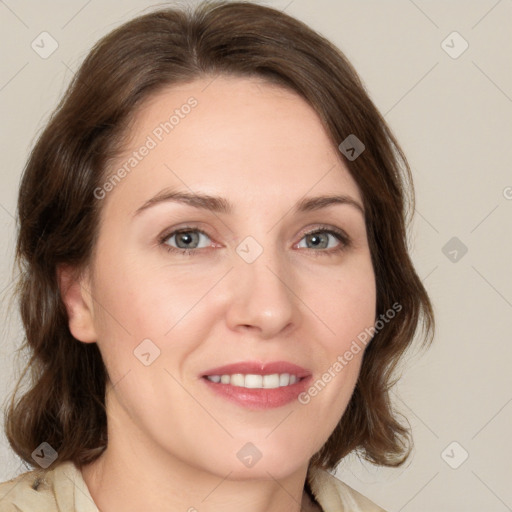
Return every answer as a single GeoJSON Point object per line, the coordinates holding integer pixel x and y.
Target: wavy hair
{"type": "Point", "coordinates": [58, 213]}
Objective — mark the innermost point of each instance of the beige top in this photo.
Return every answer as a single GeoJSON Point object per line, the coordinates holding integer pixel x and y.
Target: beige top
{"type": "Point", "coordinates": [63, 489]}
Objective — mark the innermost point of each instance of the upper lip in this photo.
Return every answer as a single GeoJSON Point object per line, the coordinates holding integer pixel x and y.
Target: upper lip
{"type": "Point", "coordinates": [259, 368]}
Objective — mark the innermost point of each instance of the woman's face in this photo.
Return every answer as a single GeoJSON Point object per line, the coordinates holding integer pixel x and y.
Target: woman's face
{"type": "Point", "coordinates": [254, 287]}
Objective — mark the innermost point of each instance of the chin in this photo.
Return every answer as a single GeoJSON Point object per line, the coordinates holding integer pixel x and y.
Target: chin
{"type": "Point", "coordinates": [265, 471]}
{"type": "Point", "coordinates": [266, 464]}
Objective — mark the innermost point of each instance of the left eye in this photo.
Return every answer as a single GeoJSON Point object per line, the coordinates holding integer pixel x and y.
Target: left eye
{"type": "Point", "coordinates": [320, 239]}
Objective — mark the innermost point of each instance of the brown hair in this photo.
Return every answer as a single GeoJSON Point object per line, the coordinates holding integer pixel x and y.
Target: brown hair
{"type": "Point", "coordinates": [58, 213]}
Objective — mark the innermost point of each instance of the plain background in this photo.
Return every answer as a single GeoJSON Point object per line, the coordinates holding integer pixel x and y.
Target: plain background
{"type": "Point", "coordinates": [453, 117]}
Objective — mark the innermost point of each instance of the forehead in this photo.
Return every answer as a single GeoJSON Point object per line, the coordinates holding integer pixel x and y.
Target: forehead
{"type": "Point", "coordinates": [239, 137]}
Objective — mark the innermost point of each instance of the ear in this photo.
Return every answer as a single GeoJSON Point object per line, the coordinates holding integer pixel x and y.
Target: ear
{"type": "Point", "coordinates": [75, 291]}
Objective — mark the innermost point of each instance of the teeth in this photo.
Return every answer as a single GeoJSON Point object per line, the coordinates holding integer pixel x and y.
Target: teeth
{"type": "Point", "coordinates": [251, 381]}
{"type": "Point", "coordinates": [235, 380]}
{"type": "Point", "coordinates": [271, 381]}
{"type": "Point", "coordinates": [275, 380]}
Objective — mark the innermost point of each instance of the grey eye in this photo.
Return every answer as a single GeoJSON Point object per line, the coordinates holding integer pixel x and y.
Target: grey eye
{"type": "Point", "coordinates": [319, 240]}
{"type": "Point", "coordinates": [186, 239]}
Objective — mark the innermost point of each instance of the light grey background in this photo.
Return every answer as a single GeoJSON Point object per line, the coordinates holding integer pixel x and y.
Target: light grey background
{"type": "Point", "coordinates": [453, 117]}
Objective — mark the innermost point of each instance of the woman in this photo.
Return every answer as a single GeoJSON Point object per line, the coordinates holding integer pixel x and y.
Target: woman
{"type": "Point", "coordinates": [216, 286]}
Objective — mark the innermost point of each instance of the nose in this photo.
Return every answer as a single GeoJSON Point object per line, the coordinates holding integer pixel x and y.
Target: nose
{"type": "Point", "coordinates": [263, 296]}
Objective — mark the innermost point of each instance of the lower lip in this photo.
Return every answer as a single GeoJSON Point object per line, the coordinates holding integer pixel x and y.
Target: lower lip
{"type": "Point", "coordinates": [259, 398]}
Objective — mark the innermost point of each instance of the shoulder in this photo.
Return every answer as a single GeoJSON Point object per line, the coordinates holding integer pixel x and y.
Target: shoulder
{"type": "Point", "coordinates": [28, 491]}
{"type": "Point", "coordinates": [46, 491]}
{"type": "Point", "coordinates": [333, 495]}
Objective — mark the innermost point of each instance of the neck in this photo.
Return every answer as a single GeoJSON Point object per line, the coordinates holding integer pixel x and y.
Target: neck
{"type": "Point", "coordinates": [135, 474]}
{"type": "Point", "coordinates": [115, 483]}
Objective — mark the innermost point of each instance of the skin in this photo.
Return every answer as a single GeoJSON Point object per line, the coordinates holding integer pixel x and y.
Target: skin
{"type": "Point", "coordinates": [172, 442]}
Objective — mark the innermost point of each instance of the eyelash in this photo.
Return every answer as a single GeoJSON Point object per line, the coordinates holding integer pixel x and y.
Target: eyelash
{"type": "Point", "coordinates": [340, 235]}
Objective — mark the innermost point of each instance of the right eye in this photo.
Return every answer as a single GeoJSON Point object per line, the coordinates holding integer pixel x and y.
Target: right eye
{"type": "Point", "coordinates": [185, 241]}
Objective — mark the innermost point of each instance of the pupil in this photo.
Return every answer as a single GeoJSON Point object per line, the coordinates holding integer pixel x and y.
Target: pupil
{"type": "Point", "coordinates": [186, 238]}
{"type": "Point", "coordinates": [316, 240]}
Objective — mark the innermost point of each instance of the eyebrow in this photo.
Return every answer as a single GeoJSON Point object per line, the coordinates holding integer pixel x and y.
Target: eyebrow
{"type": "Point", "coordinates": [221, 205]}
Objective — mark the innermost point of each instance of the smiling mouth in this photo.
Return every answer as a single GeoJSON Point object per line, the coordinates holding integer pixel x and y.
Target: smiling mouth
{"type": "Point", "coordinates": [255, 381]}
{"type": "Point", "coordinates": [249, 391]}
{"type": "Point", "coordinates": [256, 384]}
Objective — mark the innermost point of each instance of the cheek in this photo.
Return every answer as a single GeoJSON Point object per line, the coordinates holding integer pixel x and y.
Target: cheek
{"type": "Point", "coordinates": [148, 301]}
{"type": "Point", "coordinates": [346, 303]}
{"type": "Point", "coordinates": [135, 302]}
